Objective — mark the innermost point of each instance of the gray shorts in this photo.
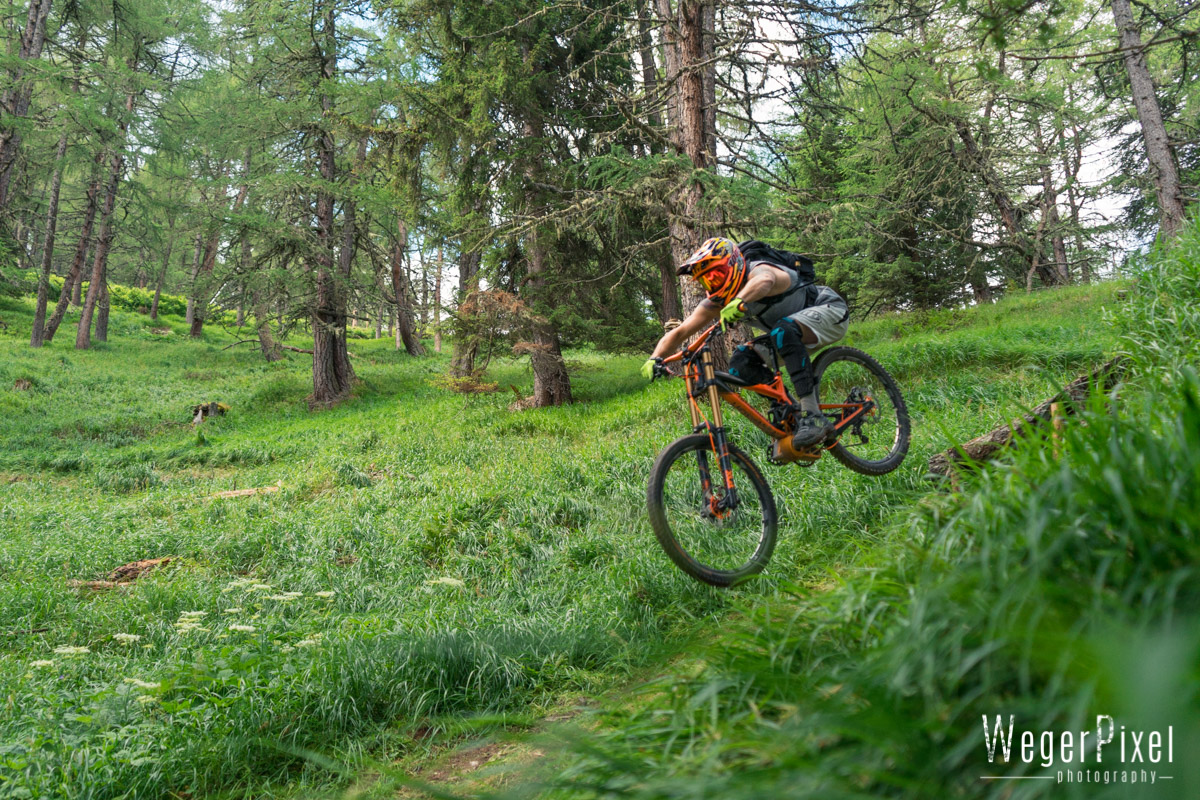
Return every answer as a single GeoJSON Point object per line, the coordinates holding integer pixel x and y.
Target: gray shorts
{"type": "Point", "coordinates": [827, 319]}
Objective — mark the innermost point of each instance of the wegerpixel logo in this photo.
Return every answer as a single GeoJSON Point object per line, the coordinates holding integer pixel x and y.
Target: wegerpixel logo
{"type": "Point", "coordinates": [1111, 753]}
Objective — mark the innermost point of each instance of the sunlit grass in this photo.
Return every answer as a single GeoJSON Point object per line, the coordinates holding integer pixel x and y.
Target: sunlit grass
{"type": "Point", "coordinates": [427, 555]}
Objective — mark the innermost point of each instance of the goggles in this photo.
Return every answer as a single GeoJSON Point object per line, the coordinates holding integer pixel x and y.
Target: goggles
{"type": "Point", "coordinates": [710, 276]}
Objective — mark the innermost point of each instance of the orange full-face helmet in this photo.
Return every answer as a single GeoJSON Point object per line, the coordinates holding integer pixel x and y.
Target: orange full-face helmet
{"type": "Point", "coordinates": [719, 267]}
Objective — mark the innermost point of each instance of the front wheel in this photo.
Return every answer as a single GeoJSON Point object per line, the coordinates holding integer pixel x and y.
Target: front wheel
{"type": "Point", "coordinates": [689, 512]}
{"type": "Point", "coordinates": [874, 442]}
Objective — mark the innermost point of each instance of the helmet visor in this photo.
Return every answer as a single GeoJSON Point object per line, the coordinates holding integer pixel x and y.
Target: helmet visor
{"type": "Point", "coordinates": [711, 277]}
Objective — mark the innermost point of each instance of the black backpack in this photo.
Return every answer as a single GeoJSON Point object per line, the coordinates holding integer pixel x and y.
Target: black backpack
{"type": "Point", "coordinates": [754, 250]}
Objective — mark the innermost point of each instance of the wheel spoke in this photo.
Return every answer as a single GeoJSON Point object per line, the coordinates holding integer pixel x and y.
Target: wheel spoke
{"type": "Point", "coordinates": [714, 544]}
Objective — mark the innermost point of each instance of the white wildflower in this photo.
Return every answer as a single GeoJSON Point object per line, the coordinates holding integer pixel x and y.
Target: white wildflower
{"type": "Point", "coordinates": [261, 587]}
{"type": "Point", "coordinates": [282, 598]}
{"type": "Point", "coordinates": [243, 628]}
{"type": "Point", "coordinates": [193, 615]}
{"type": "Point", "coordinates": [445, 580]}
{"type": "Point", "coordinates": [126, 638]}
{"type": "Point", "coordinates": [143, 684]}
{"type": "Point", "coordinates": [42, 662]}
{"type": "Point", "coordinates": [69, 650]}
{"type": "Point", "coordinates": [233, 610]}
{"type": "Point", "coordinates": [325, 595]}
{"type": "Point", "coordinates": [147, 699]}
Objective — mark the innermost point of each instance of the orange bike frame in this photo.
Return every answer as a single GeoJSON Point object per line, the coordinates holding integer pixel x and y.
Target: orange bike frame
{"type": "Point", "coordinates": [772, 391]}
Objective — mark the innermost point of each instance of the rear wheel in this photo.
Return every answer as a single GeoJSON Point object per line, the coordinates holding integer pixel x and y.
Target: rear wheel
{"type": "Point", "coordinates": [688, 503]}
{"type": "Point", "coordinates": [874, 442]}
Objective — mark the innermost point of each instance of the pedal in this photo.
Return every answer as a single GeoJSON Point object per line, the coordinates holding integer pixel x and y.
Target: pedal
{"type": "Point", "coordinates": [784, 452]}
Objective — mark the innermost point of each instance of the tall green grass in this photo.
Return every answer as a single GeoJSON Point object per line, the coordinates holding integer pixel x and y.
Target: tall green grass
{"type": "Point", "coordinates": [428, 557]}
{"type": "Point", "coordinates": [1056, 585]}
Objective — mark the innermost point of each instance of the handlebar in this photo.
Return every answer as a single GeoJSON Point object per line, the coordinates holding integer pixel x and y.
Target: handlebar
{"type": "Point", "coordinates": [687, 352]}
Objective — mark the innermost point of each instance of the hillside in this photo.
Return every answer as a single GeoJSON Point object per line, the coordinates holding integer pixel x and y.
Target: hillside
{"type": "Point", "coordinates": [427, 556]}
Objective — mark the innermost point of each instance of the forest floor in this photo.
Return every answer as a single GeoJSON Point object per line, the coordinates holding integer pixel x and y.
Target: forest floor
{"type": "Point", "coordinates": [432, 568]}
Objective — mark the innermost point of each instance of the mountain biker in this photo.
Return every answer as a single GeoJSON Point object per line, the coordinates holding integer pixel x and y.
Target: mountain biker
{"type": "Point", "coordinates": [796, 312]}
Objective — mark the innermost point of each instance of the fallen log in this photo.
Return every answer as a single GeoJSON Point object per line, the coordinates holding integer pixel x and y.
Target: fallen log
{"type": "Point", "coordinates": [985, 447]}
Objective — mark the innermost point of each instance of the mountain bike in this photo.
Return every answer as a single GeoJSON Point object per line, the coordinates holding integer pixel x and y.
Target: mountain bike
{"type": "Point", "coordinates": [720, 525]}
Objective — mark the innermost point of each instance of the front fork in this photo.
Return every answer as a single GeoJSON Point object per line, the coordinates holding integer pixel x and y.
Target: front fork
{"type": "Point", "coordinates": [716, 507]}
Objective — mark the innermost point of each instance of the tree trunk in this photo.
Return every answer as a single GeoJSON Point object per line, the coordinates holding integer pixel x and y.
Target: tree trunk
{"type": "Point", "coordinates": [424, 295]}
{"type": "Point", "coordinates": [1072, 160]}
{"type": "Point", "coordinates": [83, 335]}
{"type": "Point", "coordinates": [333, 377]}
{"type": "Point", "coordinates": [203, 287]}
{"type": "Point", "coordinates": [74, 279]}
{"type": "Point", "coordinates": [551, 383]}
{"type": "Point", "coordinates": [197, 252]}
{"type": "Point", "coordinates": [37, 336]}
{"type": "Point", "coordinates": [262, 318]}
{"type": "Point", "coordinates": [1163, 166]}
{"type": "Point", "coordinates": [1061, 272]}
{"type": "Point", "coordinates": [708, 22]}
{"type": "Point", "coordinates": [669, 309]}
{"type": "Point", "coordinates": [405, 335]}
{"type": "Point", "coordinates": [102, 307]}
{"type": "Point", "coordinates": [684, 49]}
{"type": "Point", "coordinates": [649, 75]}
{"type": "Point", "coordinates": [671, 68]}
{"type": "Point", "coordinates": [162, 274]}
{"type": "Point", "coordinates": [15, 100]}
{"type": "Point", "coordinates": [466, 348]}
{"type": "Point", "coordinates": [437, 303]}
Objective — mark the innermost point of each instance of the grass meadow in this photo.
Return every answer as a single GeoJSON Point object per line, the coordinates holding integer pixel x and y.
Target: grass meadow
{"type": "Point", "coordinates": [428, 559]}
{"type": "Point", "coordinates": [1053, 586]}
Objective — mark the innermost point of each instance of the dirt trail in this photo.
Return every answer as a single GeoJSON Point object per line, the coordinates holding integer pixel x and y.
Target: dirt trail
{"type": "Point", "coordinates": [505, 759]}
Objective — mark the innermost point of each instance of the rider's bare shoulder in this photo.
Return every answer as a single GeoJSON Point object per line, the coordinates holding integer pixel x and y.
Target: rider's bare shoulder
{"type": "Point", "coordinates": [781, 280]}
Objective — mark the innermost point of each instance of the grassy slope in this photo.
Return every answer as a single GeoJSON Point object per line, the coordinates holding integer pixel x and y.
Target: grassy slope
{"type": "Point", "coordinates": [1059, 584]}
{"type": "Point", "coordinates": [481, 561]}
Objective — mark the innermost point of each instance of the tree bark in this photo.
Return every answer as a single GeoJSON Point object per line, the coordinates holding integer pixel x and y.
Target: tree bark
{"type": "Point", "coordinates": [1073, 395]}
{"type": "Point", "coordinates": [1163, 167]}
{"type": "Point", "coordinates": [162, 273]}
{"type": "Point", "coordinates": [649, 75]}
{"type": "Point", "coordinates": [670, 308]}
{"type": "Point", "coordinates": [551, 383]}
{"type": "Point", "coordinates": [683, 43]}
{"type": "Point", "coordinates": [437, 303]}
{"type": "Point", "coordinates": [74, 279]}
{"type": "Point", "coordinates": [15, 100]}
{"type": "Point", "coordinates": [333, 377]}
{"type": "Point", "coordinates": [406, 337]}
{"type": "Point", "coordinates": [1061, 272]}
{"type": "Point", "coordinates": [203, 284]}
{"type": "Point", "coordinates": [466, 348]}
{"type": "Point", "coordinates": [262, 318]}
{"type": "Point", "coordinates": [1072, 161]}
{"type": "Point", "coordinates": [37, 336]}
{"type": "Point", "coordinates": [197, 252]}
{"type": "Point", "coordinates": [102, 307]}
{"type": "Point", "coordinates": [104, 236]}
